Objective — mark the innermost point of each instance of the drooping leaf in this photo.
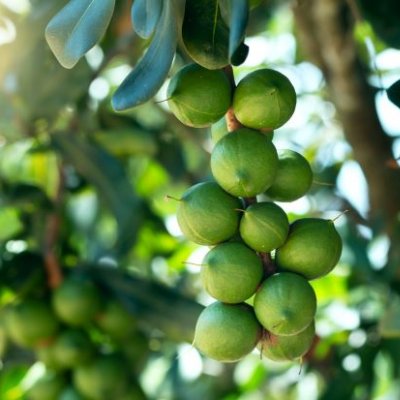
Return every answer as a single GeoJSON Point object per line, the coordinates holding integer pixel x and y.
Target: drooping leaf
{"type": "Point", "coordinates": [394, 93]}
{"type": "Point", "coordinates": [77, 28]}
{"type": "Point", "coordinates": [237, 14]}
{"type": "Point", "coordinates": [145, 16]}
{"type": "Point", "coordinates": [153, 304]}
{"type": "Point", "coordinates": [108, 176]}
{"type": "Point", "coordinates": [149, 74]}
{"type": "Point", "coordinates": [205, 34]}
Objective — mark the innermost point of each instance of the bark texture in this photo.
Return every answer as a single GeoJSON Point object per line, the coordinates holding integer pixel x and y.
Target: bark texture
{"type": "Point", "coordinates": [325, 34]}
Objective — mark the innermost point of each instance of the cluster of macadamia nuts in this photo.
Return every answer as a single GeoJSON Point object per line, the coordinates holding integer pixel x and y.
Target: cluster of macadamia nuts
{"type": "Point", "coordinates": [255, 306]}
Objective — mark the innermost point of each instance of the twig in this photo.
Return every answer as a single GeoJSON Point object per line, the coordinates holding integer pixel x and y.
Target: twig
{"type": "Point", "coordinates": [51, 263]}
{"type": "Point", "coordinates": [231, 121]}
{"type": "Point", "coordinates": [268, 264]}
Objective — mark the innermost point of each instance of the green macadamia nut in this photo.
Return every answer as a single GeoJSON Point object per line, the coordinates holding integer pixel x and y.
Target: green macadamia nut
{"type": "Point", "coordinates": [198, 97]}
{"type": "Point", "coordinates": [288, 348]}
{"type": "Point", "coordinates": [264, 99]}
{"type": "Point", "coordinates": [264, 226]}
{"type": "Point", "coordinates": [293, 178]}
{"type": "Point", "coordinates": [285, 304]}
{"type": "Point", "coordinates": [231, 272]}
{"type": "Point", "coordinates": [244, 163]}
{"type": "Point", "coordinates": [104, 378]}
{"type": "Point", "coordinates": [227, 332]}
{"type": "Point", "coordinates": [208, 215]}
{"type": "Point", "coordinates": [76, 301]}
{"type": "Point", "coordinates": [47, 386]}
{"type": "Point", "coordinates": [30, 323]}
{"type": "Point", "coordinates": [73, 347]}
{"type": "Point", "coordinates": [312, 249]}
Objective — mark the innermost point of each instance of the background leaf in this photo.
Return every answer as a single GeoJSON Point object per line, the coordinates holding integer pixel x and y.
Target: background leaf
{"type": "Point", "coordinates": [107, 174]}
{"type": "Point", "coordinates": [205, 34]}
{"type": "Point", "coordinates": [149, 74]}
{"type": "Point", "coordinates": [145, 16]}
{"type": "Point", "coordinates": [77, 28]}
{"type": "Point", "coordinates": [154, 304]}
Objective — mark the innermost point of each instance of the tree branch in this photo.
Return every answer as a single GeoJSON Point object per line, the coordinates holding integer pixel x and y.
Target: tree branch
{"type": "Point", "coordinates": [325, 33]}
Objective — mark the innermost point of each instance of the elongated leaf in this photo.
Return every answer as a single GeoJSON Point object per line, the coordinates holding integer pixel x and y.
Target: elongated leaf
{"type": "Point", "coordinates": [145, 16]}
{"type": "Point", "coordinates": [153, 304]}
{"type": "Point", "coordinates": [149, 74]}
{"type": "Point", "coordinates": [394, 93]}
{"type": "Point", "coordinates": [108, 176]}
{"type": "Point", "coordinates": [205, 34]}
{"type": "Point", "coordinates": [77, 28]}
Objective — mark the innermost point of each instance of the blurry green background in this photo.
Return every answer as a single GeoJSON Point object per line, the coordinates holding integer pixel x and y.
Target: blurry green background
{"type": "Point", "coordinates": [109, 174]}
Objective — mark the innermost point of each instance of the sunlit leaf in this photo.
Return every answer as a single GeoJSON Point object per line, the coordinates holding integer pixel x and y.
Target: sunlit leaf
{"type": "Point", "coordinates": [10, 223]}
{"type": "Point", "coordinates": [77, 28]}
{"type": "Point", "coordinates": [150, 72]}
{"type": "Point", "coordinates": [145, 16]}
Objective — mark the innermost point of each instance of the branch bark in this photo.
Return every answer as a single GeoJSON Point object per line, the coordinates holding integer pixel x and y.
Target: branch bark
{"type": "Point", "coordinates": [325, 34]}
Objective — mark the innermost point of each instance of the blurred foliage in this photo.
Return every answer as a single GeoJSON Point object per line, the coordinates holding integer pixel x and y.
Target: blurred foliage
{"type": "Point", "coordinates": [106, 175]}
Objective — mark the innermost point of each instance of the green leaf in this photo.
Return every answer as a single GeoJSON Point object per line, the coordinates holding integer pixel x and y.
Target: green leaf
{"type": "Point", "coordinates": [10, 382]}
{"type": "Point", "coordinates": [145, 16]}
{"type": "Point", "coordinates": [10, 223]}
{"type": "Point", "coordinates": [108, 176]}
{"type": "Point", "coordinates": [394, 93]}
{"type": "Point", "coordinates": [77, 28]}
{"type": "Point", "coordinates": [149, 74]}
{"type": "Point", "coordinates": [205, 34]}
{"type": "Point", "coordinates": [20, 162]}
{"type": "Point", "coordinates": [237, 12]}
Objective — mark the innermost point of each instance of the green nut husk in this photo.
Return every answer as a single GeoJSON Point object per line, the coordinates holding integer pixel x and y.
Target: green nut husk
{"type": "Point", "coordinates": [208, 215]}
{"type": "Point", "coordinates": [198, 97]}
{"type": "Point", "coordinates": [227, 332]}
{"type": "Point", "coordinates": [285, 304]}
{"type": "Point", "coordinates": [244, 163]}
{"type": "Point", "coordinates": [293, 178]}
{"type": "Point", "coordinates": [264, 99]}
{"type": "Point", "coordinates": [231, 272]}
{"type": "Point", "coordinates": [264, 226]}
{"type": "Point", "coordinates": [312, 249]}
